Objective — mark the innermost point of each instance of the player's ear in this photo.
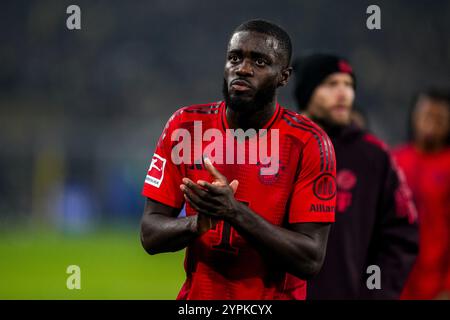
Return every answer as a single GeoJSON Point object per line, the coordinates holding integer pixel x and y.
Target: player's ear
{"type": "Point", "coordinates": [285, 75]}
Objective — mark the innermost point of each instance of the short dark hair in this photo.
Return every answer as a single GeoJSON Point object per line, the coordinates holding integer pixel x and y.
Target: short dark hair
{"type": "Point", "coordinates": [271, 29]}
{"type": "Point", "coordinates": [435, 93]}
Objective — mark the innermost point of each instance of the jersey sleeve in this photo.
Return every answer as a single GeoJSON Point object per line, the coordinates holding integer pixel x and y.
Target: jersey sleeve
{"type": "Point", "coordinates": [314, 196]}
{"type": "Point", "coordinates": [163, 179]}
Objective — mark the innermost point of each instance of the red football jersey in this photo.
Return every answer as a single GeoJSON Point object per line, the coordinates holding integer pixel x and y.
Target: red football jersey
{"type": "Point", "coordinates": [221, 264]}
{"type": "Point", "coordinates": [428, 176]}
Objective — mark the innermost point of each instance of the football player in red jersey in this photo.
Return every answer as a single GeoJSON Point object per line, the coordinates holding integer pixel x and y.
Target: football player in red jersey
{"type": "Point", "coordinates": [426, 163]}
{"type": "Point", "coordinates": [243, 241]}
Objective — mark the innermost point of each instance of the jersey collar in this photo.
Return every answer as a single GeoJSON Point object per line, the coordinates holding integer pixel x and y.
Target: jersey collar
{"type": "Point", "coordinates": [268, 124]}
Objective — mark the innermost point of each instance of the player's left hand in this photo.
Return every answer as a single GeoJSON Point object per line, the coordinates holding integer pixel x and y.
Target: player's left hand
{"type": "Point", "coordinates": [214, 199]}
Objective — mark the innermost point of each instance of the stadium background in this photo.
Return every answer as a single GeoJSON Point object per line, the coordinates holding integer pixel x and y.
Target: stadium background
{"type": "Point", "coordinates": [80, 113]}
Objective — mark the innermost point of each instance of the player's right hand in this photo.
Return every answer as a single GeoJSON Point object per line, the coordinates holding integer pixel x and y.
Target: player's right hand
{"type": "Point", "coordinates": [206, 223]}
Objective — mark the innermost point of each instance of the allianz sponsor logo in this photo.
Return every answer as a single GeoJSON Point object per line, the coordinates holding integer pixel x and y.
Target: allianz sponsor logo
{"type": "Point", "coordinates": [318, 207]}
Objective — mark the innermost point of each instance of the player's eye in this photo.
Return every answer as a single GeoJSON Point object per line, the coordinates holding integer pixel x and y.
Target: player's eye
{"type": "Point", "coordinates": [331, 83]}
{"type": "Point", "coordinates": [233, 58]}
{"type": "Point", "coordinates": [261, 62]}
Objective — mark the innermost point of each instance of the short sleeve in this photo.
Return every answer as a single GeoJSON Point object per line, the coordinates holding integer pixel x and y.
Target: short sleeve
{"type": "Point", "coordinates": [314, 195]}
{"type": "Point", "coordinates": [163, 179]}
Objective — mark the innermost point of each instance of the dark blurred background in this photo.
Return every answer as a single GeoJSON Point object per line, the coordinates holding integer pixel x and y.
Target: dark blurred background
{"type": "Point", "coordinates": [81, 110]}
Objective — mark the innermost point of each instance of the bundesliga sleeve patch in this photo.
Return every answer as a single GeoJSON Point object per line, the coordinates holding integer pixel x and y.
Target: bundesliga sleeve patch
{"type": "Point", "coordinates": [155, 172]}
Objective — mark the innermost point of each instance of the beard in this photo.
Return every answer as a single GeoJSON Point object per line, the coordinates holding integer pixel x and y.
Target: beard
{"type": "Point", "coordinates": [327, 117]}
{"type": "Point", "coordinates": [328, 124]}
{"type": "Point", "coordinates": [244, 104]}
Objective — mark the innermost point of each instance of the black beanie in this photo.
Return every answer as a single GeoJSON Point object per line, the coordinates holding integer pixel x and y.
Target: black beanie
{"type": "Point", "coordinates": [311, 70]}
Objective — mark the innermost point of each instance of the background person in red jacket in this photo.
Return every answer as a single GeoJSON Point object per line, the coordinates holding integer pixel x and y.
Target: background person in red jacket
{"type": "Point", "coordinates": [375, 216]}
{"type": "Point", "coordinates": [426, 163]}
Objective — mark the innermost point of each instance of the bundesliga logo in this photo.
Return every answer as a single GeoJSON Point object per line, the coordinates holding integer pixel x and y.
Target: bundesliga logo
{"type": "Point", "coordinates": [155, 172]}
{"type": "Point", "coordinates": [220, 153]}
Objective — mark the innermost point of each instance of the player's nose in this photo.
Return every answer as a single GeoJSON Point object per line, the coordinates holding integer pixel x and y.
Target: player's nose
{"type": "Point", "coordinates": [245, 69]}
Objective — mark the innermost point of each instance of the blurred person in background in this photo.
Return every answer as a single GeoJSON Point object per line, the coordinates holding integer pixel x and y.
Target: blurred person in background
{"type": "Point", "coordinates": [425, 160]}
{"type": "Point", "coordinates": [375, 216]}
{"type": "Point", "coordinates": [359, 118]}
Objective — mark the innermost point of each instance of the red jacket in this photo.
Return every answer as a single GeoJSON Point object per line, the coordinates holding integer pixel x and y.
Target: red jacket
{"type": "Point", "coordinates": [429, 178]}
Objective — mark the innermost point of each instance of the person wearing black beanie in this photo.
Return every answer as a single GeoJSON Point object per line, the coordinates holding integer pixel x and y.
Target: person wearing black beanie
{"type": "Point", "coordinates": [333, 83]}
{"type": "Point", "coordinates": [374, 242]}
